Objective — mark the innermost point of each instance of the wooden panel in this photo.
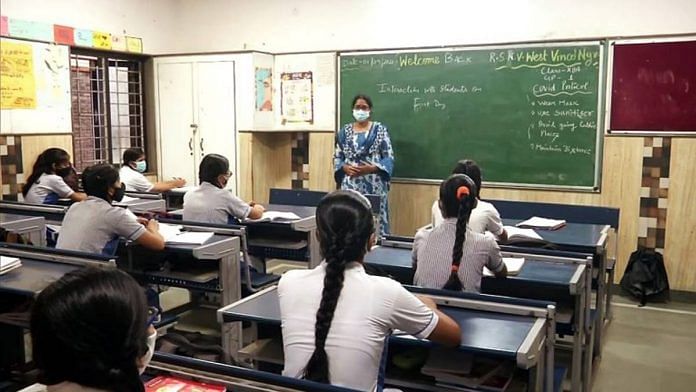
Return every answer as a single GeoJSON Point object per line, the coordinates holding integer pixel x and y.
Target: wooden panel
{"type": "Point", "coordinates": [33, 145]}
{"type": "Point", "coordinates": [680, 241]}
{"type": "Point", "coordinates": [271, 163]}
{"type": "Point", "coordinates": [321, 150]}
{"type": "Point", "coordinates": [409, 207]}
{"type": "Point", "coordinates": [244, 176]}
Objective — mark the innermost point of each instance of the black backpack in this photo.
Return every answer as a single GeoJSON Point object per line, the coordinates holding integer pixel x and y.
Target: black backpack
{"type": "Point", "coordinates": [645, 276]}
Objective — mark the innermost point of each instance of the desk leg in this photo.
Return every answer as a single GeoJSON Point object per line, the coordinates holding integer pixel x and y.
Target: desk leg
{"type": "Point", "coordinates": [230, 281]}
{"type": "Point", "coordinates": [601, 301]}
{"type": "Point", "coordinates": [314, 250]}
{"type": "Point", "coordinates": [581, 310]}
{"type": "Point", "coordinates": [550, 362]}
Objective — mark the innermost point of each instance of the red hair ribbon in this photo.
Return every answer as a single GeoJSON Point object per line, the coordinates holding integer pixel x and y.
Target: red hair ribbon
{"type": "Point", "coordinates": [455, 268]}
{"type": "Point", "coordinates": [462, 192]}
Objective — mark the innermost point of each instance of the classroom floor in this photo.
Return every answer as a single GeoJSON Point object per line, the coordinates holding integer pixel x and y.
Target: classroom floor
{"type": "Point", "coordinates": [648, 349]}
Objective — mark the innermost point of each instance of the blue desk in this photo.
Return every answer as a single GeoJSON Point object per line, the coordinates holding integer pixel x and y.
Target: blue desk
{"type": "Point", "coordinates": [289, 240]}
{"type": "Point", "coordinates": [574, 237]}
{"type": "Point", "coordinates": [223, 249]}
{"type": "Point", "coordinates": [33, 226]}
{"type": "Point", "coordinates": [561, 277]}
{"type": "Point", "coordinates": [523, 333]}
{"type": "Point", "coordinates": [33, 276]}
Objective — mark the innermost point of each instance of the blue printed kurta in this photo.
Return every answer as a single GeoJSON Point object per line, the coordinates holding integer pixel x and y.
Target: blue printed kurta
{"type": "Point", "coordinates": [373, 147]}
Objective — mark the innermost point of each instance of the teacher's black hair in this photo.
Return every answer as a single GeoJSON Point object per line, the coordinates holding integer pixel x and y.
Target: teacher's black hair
{"type": "Point", "coordinates": [344, 228]}
{"type": "Point", "coordinates": [458, 198]}
{"type": "Point", "coordinates": [89, 328]}
{"type": "Point", "coordinates": [364, 97]}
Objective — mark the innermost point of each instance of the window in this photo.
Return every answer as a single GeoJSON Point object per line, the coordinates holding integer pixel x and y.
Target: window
{"type": "Point", "coordinates": [107, 107]}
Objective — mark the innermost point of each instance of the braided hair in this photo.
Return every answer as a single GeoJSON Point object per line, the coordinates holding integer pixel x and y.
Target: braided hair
{"type": "Point", "coordinates": [458, 198]}
{"type": "Point", "coordinates": [344, 228]}
{"type": "Point", "coordinates": [89, 327]}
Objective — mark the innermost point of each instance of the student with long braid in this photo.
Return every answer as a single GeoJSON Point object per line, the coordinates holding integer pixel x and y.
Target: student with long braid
{"type": "Point", "coordinates": [336, 318]}
{"type": "Point", "coordinates": [452, 256]}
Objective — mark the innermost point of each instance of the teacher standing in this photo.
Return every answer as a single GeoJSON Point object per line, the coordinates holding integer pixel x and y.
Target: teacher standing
{"type": "Point", "coordinates": [364, 159]}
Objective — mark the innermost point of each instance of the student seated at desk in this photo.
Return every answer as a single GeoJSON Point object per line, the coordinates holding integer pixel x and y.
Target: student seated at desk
{"type": "Point", "coordinates": [46, 183]}
{"type": "Point", "coordinates": [95, 225]}
{"type": "Point", "coordinates": [335, 317]}
{"type": "Point", "coordinates": [211, 202]}
{"type": "Point", "coordinates": [132, 170]}
{"type": "Point", "coordinates": [484, 217]}
{"type": "Point", "coordinates": [451, 256]}
{"type": "Point", "coordinates": [91, 331]}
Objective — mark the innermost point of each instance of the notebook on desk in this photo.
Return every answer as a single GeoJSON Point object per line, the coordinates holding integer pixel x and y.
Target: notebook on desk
{"type": "Point", "coordinates": [273, 216]}
{"type": "Point", "coordinates": [536, 222]}
{"type": "Point", "coordinates": [513, 265]}
{"type": "Point", "coordinates": [173, 234]}
{"type": "Point", "coordinates": [7, 264]}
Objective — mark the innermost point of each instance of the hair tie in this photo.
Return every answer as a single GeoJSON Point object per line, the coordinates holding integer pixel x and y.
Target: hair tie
{"type": "Point", "coordinates": [462, 192]}
{"type": "Point", "coordinates": [455, 268]}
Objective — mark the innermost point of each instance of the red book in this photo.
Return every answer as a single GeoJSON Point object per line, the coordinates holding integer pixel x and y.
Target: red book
{"type": "Point", "coordinates": [173, 384]}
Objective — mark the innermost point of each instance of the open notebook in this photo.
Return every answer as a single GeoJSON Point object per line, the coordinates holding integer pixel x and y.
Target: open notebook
{"type": "Point", "coordinates": [515, 234]}
{"type": "Point", "coordinates": [7, 264]}
{"type": "Point", "coordinates": [513, 265]}
{"type": "Point", "coordinates": [173, 235]}
{"type": "Point", "coordinates": [270, 216]}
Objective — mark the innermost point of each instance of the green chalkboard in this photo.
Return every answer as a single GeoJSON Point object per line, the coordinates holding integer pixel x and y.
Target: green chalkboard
{"type": "Point", "coordinates": [527, 115]}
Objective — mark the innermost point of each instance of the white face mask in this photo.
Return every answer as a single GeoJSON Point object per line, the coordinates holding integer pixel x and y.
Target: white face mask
{"type": "Point", "coordinates": [145, 359]}
{"type": "Point", "coordinates": [361, 115]}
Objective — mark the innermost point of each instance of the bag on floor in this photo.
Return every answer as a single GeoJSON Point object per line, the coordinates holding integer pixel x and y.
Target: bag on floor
{"type": "Point", "coordinates": [645, 277]}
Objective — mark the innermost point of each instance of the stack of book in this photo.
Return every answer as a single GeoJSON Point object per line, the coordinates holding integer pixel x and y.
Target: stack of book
{"type": "Point", "coordinates": [7, 264]}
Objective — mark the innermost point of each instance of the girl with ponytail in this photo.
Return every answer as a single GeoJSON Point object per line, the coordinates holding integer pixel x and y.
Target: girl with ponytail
{"type": "Point", "coordinates": [451, 256]}
{"type": "Point", "coordinates": [336, 318]}
{"type": "Point", "coordinates": [90, 332]}
{"type": "Point", "coordinates": [46, 183]}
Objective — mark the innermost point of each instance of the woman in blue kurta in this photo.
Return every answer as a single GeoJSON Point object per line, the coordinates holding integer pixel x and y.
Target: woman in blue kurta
{"type": "Point", "coordinates": [364, 159]}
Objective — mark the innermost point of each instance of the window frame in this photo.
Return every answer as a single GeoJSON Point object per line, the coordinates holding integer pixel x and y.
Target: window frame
{"type": "Point", "coordinates": [103, 58]}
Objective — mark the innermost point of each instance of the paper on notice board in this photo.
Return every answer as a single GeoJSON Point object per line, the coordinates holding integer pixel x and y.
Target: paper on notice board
{"type": "Point", "coordinates": [4, 29]}
{"type": "Point", "coordinates": [134, 44]}
{"type": "Point", "coordinates": [17, 86]}
{"type": "Point", "coordinates": [64, 35]}
{"type": "Point", "coordinates": [83, 37]}
{"type": "Point", "coordinates": [296, 99]}
{"type": "Point", "coordinates": [264, 91]}
{"type": "Point", "coordinates": [101, 40]}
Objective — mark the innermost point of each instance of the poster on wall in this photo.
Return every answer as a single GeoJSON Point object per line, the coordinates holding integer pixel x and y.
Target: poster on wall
{"type": "Point", "coordinates": [264, 92]}
{"type": "Point", "coordinates": [296, 98]}
{"type": "Point", "coordinates": [17, 87]}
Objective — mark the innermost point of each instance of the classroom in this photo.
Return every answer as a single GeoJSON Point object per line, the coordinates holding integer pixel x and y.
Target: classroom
{"type": "Point", "coordinates": [303, 195]}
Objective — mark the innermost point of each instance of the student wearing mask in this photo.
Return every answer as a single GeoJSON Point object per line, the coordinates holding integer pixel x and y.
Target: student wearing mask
{"type": "Point", "coordinates": [95, 225]}
{"type": "Point", "coordinates": [91, 331]}
{"type": "Point", "coordinates": [134, 165]}
{"type": "Point", "coordinates": [484, 216]}
{"type": "Point", "coordinates": [210, 202]}
{"type": "Point", "coordinates": [451, 256]}
{"type": "Point", "coordinates": [46, 183]}
{"type": "Point", "coordinates": [335, 317]}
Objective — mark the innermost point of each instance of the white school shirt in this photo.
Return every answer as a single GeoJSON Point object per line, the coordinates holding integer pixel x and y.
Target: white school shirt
{"type": "Point", "coordinates": [432, 255]}
{"type": "Point", "coordinates": [47, 189]}
{"type": "Point", "coordinates": [369, 308]}
{"type": "Point", "coordinates": [135, 181]}
{"type": "Point", "coordinates": [210, 204]}
{"type": "Point", "coordinates": [484, 217]}
{"type": "Point", "coordinates": [93, 225]}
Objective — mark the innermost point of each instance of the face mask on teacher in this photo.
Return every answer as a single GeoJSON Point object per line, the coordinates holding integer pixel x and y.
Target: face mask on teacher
{"type": "Point", "coordinates": [361, 115]}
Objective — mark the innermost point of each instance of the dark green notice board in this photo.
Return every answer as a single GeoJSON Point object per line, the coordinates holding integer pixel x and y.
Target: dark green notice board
{"type": "Point", "coordinates": [527, 115]}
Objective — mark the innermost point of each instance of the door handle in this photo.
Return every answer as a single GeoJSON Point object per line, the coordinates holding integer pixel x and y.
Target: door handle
{"type": "Point", "coordinates": [190, 144]}
{"type": "Point", "coordinates": [201, 146]}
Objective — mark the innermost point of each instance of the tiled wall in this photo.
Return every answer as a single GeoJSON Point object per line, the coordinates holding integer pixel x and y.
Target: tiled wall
{"type": "Point", "coordinates": [300, 160]}
{"type": "Point", "coordinates": [12, 172]}
{"type": "Point", "coordinates": [654, 193]}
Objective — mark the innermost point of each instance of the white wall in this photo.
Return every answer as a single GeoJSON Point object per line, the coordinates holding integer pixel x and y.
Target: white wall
{"type": "Point", "coordinates": [195, 26]}
{"type": "Point", "coordinates": [151, 20]}
{"type": "Point", "coordinates": [318, 25]}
